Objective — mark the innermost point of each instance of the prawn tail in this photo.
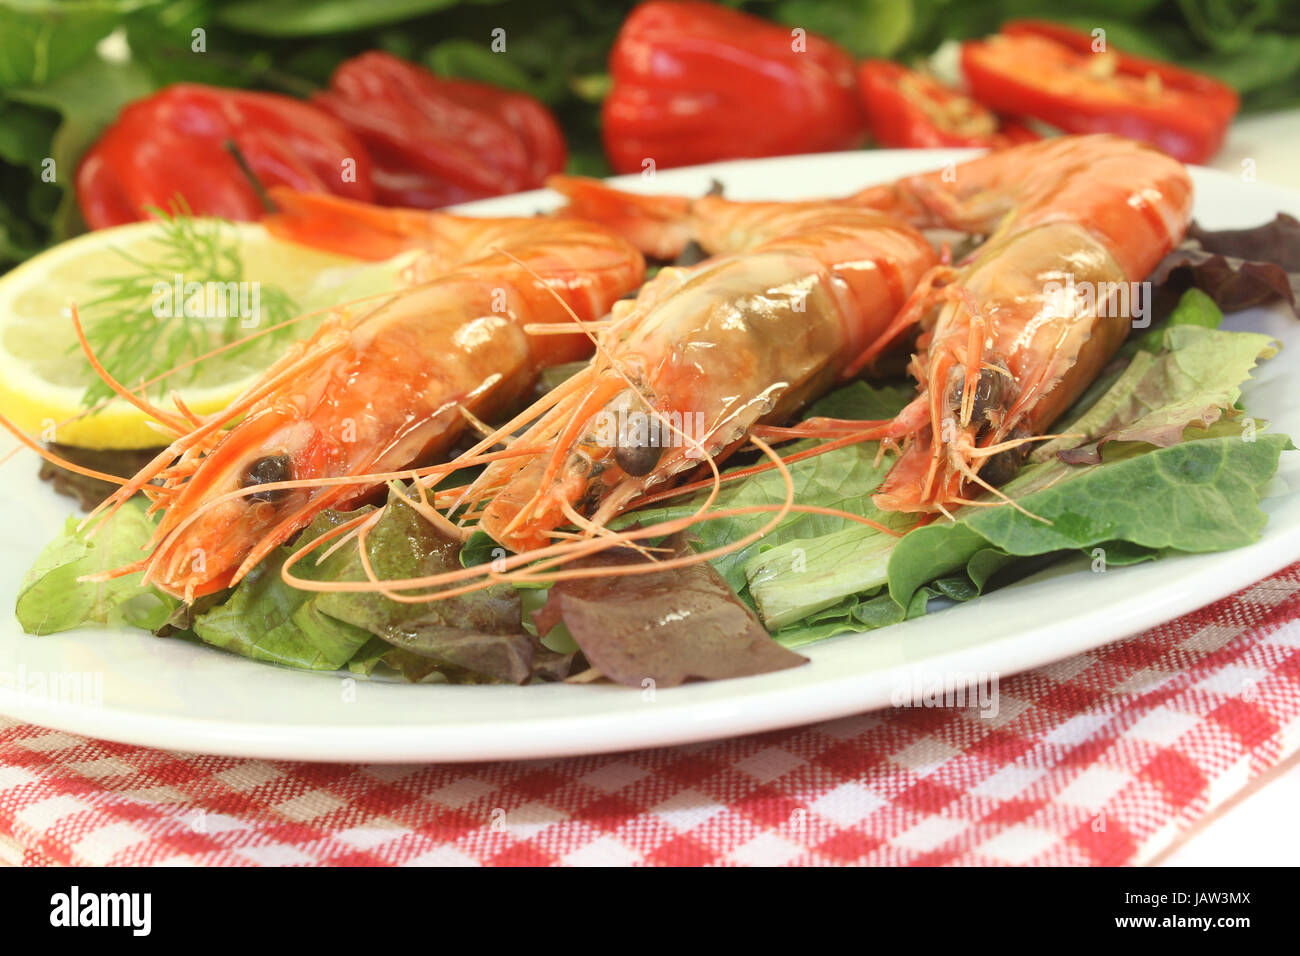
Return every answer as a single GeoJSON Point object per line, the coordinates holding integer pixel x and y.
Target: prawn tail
{"type": "Point", "coordinates": [659, 226]}
{"type": "Point", "coordinates": [347, 226]}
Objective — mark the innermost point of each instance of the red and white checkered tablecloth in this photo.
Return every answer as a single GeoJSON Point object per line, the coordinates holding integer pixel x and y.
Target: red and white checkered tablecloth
{"type": "Point", "coordinates": [1104, 758]}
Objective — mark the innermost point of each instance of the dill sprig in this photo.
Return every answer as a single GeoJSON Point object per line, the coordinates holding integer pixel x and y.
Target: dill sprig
{"type": "Point", "coordinates": [135, 344]}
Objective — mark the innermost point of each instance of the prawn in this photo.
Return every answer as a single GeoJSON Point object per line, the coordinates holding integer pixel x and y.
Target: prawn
{"type": "Point", "coordinates": [376, 389]}
{"type": "Point", "coordinates": [1018, 331]}
{"type": "Point", "coordinates": [703, 357]}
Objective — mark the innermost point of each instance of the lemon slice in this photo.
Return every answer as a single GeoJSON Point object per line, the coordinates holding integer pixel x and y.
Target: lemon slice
{"type": "Point", "coordinates": [44, 374]}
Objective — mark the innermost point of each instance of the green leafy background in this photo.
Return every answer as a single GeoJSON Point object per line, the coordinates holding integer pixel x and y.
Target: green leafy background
{"type": "Point", "coordinates": [57, 93]}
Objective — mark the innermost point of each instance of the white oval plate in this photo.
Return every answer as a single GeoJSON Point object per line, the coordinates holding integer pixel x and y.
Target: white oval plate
{"type": "Point", "coordinates": [181, 696]}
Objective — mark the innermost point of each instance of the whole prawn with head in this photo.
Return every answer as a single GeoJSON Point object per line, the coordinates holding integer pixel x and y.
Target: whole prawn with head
{"type": "Point", "coordinates": [1016, 333]}
{"type": "Point", "coordinates": [377, 388]}
{"type": "Point", "coordinates": [702, 359]}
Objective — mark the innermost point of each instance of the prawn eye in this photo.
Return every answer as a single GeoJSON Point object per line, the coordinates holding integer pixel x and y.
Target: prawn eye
{"type": "Point", "coordinates": [638, 460]}
{"type": "Point", "coordinates": [265, 470]}
{"type": "Point", "coordinates": [990, 392]}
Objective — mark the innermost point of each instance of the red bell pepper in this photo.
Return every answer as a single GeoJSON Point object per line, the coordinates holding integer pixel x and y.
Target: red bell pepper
{"type": "Point", "coordinates": [1218, 96]}
{"type": "Point", "coordinates": [436, 141]}
{"type": "Point", "coordinates": [906, 108]}
{"type": "Point", "coordinates": [174, 143]}
{"type": "Point", "coordinates": [696, 82]}
{"type": "Point", "coordinates": [1050, 72]}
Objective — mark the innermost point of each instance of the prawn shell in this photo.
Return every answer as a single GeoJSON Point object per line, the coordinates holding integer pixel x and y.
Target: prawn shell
{"type": "Point", "coordinates": [736, 341]}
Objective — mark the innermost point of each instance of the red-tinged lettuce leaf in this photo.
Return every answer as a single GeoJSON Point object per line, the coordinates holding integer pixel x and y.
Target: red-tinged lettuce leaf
{"type": "Point", "coordinates": [1277, 241]}
{"type": "Point", "coordinates": [471, 637]}
{"type": "Point", "coordinates": [1194, 382]}
{"type": "Point", "coordinates": [427, 643]}
{"type": "Point", "coordinates": [267, 620]}
{"type": "Point", "coordinates": [551, 665]}
{"type": "Point", "coordinates": [667, 627]}
{"type": "Point", "coordinates": [1237, 268]}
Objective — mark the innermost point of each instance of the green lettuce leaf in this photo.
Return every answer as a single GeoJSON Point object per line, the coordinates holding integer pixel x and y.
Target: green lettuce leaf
{"type": "Point", "coordinates": [1128, 498]}
{"type": "Point", "coordinates": [479, 635]}
{"type": "Point", "coordinates": [51, 598]}
{"type": "Point", "coordinates": [472, 638]}
{"type": "Point", "coordinates": [469, 638]}
{"type": "Point", "coordinates": [840, 479]}
{"type": "Point", "coordinates": [1193, 382]}
{"type": "Point", "coordinates": [268, 620]}
{"type": "Point", "coordinates": [1200, 495]}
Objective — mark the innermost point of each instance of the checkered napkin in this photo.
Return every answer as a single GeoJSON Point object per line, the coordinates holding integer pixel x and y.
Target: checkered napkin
{"type": "Point", "coordinates": [1103, 758]}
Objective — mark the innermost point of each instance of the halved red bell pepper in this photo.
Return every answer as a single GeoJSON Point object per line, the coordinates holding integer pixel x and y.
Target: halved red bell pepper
{"type": "Point", "coordinates": [907, 108]}
{"type": "Point", "coordinates": [1051, 73]}
{"type": "Point", "coordinates": [436, 141]}
{"type": "Point", "coordinates": [695, 82]}
{"type": "Point", "coordinates": [173, 143]}
{"type": "Point", "coordinates": [1220, 97]}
